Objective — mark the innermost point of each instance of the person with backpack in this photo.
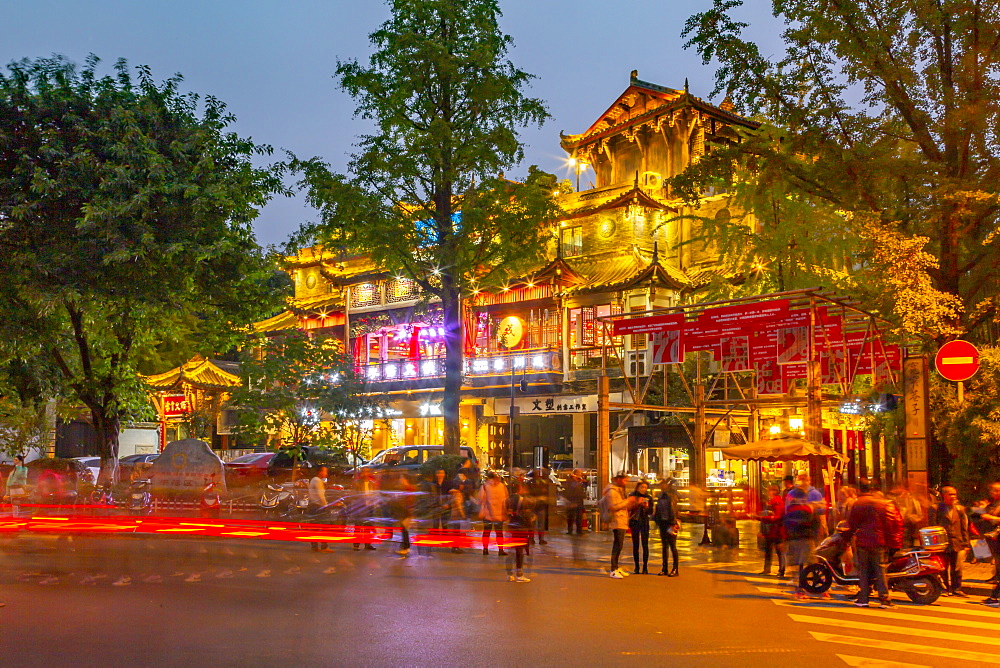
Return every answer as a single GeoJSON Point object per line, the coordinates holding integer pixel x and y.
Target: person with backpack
{"type": "Point", "coordinates": [665, 516]}
{"type": "Point", "coordinates": [803, 507]}
{"type": "Point", "coordinates": [615, 510]}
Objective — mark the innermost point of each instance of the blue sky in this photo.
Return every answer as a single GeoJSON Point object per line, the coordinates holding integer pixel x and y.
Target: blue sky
{"type": "Point", "coordinates": [272, 62]}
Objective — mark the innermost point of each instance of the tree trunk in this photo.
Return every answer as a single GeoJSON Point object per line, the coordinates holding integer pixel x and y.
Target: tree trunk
{"type": "Point", "coordinates": [451, 304]}
{"type": "Point", "coordinates": [108, 428]}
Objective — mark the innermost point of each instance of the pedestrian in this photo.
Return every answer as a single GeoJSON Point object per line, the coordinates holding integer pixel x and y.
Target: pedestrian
{"type": "Point", "coordinates": [877, 527]}
{"type": "Point", "coordinates": [696, 502]}
{"type": "Point", "coordinates": [912, 512]}
{"type": "Point", "coordinates": [317, 500]}
{"type": "Point", "coordinates": [640, 512]}
{"type": "Point", "coordinates": [986, 518]}
{"type": "Point", "coordinates": [520, 524]}
{"type": "Point", "coordinates": [434, 506]}
{"type": "Point", "coordinates": [801, 520]}
{"type": "Point", "coordinates": [456, 518]}
{"type": "Point", "coordinates": [574, 492]}
{"type": "Point", "coordinates": [539, 491]}
{"type": "Point", "coordinates": [787, 485]}
{"type": "Point", "coordinates": [401, 509]}
{"type": "Point", "coordinates": [492, 510]}
{"type": "Point", "coordinates": [665, 516]}
{"type": "Point", "coordinates": [616, 507]}
{"type": "Point", "coordinates": [17, 483]}
{"type": "Point", "coordinates": [950, 515]}
{"type": "Point", "coordinates": [363, 508]}
{"type": "Point", "coordinates": [772, 528]}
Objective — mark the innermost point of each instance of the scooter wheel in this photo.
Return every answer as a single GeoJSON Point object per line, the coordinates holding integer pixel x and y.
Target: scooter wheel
{"type": "Point", "coordinates": [922, 591]}
{"type": "Point", "coordinates": [815, 578]}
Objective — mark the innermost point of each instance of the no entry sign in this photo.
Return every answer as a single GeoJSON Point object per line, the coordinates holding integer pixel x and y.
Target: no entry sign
{"type": "Point", "coordinates": [957, 360]}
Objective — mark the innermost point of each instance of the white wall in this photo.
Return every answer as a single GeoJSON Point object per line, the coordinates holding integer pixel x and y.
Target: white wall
{"type": "Point", "coordinates": [138, 441]}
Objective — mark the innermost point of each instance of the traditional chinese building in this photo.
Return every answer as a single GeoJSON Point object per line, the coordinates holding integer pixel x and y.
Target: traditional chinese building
{"type": "Point", "coordinates": [624, 245]}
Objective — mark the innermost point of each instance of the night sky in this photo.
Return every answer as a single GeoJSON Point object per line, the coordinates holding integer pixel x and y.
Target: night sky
{"type": "Point", "coordinates": [271, 62]}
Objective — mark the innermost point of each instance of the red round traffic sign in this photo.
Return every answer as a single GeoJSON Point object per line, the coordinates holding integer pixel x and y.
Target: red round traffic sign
{"type": "Point", "coordinates": [957, 360]}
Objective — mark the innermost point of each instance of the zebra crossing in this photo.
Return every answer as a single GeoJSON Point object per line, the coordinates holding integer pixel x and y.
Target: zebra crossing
{"type": "Point", "coordinates": [950, 630]}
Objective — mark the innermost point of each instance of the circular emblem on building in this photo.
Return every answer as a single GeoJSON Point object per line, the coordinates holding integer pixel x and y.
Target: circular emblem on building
{"type": "Point", "coordinates": [606, 229]}
{"type": "Point", "coordinates": [311, 281]}
{"type": "Point", "coordinates": [510, 332]}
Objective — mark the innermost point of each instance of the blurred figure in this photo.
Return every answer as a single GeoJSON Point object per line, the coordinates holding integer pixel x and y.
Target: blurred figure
{"type": "Point", "coordinates": [787, 484]}
{"type": "Point", "coordinates": [912, 512]}
{"type": "Point", "coordinates": [492, 510]}
{"type": "Point", "coordinates": [950, 515]}
{"type": "Point", "coordinates": [434, 504]}
{"type": "Point", "coordinates": [467, 487]}
{"type": "Point", "coordinates": [696, 500]}
{"type": "Point", "coordinates": [665, 516]}
{"type": "Point", "coordinates": [617, 506]}
{"type": "Point", "coordinates": [317, 499]}
{"type": "Point", "coordinates": [877, 527]}
{"type": "Point", "coordinates": [539, 491]}
{"type": "Point", "coordinates": [640, 512]}
{"type": "Point", "coordinates": [17, 484]}
{"type": "Point", "coordinates": [520, 524]}
{"type": "Point", "coordinates": [772, 527]}
{"type": "Point", "coordinates": [986, 516]}
{"type": "Point", "coordinates": [801, 520]}
{"type": "Point", "coordinates": [456, 517]}
{"type": "Point", "coordinates": [401, 508]}
{"type": "Point", "coordinates": [364, 509]}
{"type": "Point", "coordinates": [574, 492]}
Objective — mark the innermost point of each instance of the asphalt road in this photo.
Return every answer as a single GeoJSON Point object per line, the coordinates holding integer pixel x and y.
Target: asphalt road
{"type": "Point", "coordinates": [232, 603]}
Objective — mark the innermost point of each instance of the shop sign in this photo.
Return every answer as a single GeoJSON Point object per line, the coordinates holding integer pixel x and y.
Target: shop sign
{"type": "Point", "coordinates": [175, 405]}
{"type": "Point", "coordinates": [548, 405]}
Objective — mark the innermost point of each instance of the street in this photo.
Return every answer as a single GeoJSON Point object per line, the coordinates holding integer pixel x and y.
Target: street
{"type": "Point", "coordinates": [243, 603]}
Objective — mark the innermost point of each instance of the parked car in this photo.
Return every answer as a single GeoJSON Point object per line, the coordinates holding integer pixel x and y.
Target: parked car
{"type": "Point", "coordinates": [409, 457]}
{"type": "Point", "coordinates": [135, 466]}
{"type": "Point", "coordinates": [248, 469]}
{"type": "Point", "coordinates": [284, 465]}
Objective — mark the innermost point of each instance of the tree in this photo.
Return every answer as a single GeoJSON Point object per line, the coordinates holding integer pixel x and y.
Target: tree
{"type": "Point", "coordinates": [303, 391]}
{"type": "Point", "coordinates": [427, 198]}
{"type": "Point", "coordinates": [125, 209]}
{"type": "Point", "coordinates": [876, 168]}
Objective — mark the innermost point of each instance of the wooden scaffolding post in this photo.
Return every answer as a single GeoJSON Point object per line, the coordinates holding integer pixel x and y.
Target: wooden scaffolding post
{"type": "Point", "coordinates": [699, 471]}
{"type": "Point", "coordinates": [603, 433]}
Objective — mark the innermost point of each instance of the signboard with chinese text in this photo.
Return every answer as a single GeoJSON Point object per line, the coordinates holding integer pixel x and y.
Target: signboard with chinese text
{"type": "Point", "coordinates": [175, 405]}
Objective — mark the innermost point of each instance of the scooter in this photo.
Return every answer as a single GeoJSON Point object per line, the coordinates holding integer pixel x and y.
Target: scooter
{"type": "Point", "coordinates": [102, 496]}
{"type": "Point", "coordinates": [277, 498]}
{"type": "Point", "coordinates": [916, 572]}
{"type": "Point", "coordinates": [140, 500]}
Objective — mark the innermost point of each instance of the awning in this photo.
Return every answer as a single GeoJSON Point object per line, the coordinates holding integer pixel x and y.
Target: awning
{"type": "Point", "coordinates": [788, 449]}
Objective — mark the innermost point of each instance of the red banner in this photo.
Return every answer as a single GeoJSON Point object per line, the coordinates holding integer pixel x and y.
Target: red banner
{"type": "Point", "coordinates": [175, 405]}
{"type": "Point", "coordinates": [657, 323]}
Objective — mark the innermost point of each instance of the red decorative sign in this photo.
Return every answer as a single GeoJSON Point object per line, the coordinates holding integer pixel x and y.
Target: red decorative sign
{"type": "Point", "coordinates": [957, 360]}
{"type": "Point", "coordinates": [175, 405]}
{"type": "Point", "coordinates": [656, 323]}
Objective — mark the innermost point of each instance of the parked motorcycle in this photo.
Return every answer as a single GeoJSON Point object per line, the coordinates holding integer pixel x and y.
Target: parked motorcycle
{"type": "Point", "coordinates": [277, 499]}
{"type": "Point", "coordinates": [916, 572]}
{"type": "Point", "coordinates": [102, 496]}
{"type": "Point", "coordinates": [140, 499]}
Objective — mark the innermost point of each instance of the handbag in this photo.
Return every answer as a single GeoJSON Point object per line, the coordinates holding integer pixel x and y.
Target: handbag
{"type": "Point", "coordinates": [980, 550]}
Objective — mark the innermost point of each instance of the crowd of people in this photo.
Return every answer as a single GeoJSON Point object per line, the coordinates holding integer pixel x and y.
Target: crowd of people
{"type": "Point", "coordinates": [796, 518]}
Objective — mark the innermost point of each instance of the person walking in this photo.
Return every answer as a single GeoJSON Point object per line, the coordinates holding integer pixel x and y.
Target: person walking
{"type": "Point", "coordinates": [696, 501]}
{"type": "Point", "coordinates": [951, 516]}
{"type": "Point", "coordinates": [317, 500]}
{"type": "Point", "coordinates": [772, 527]}
{"type": "Point", "coordinates": [363, 509]}
{"type": "Point", "coordinates": [493, 497]}
{"type": "Point", "coordinates": [912, 512]}
{"type": "Point", "coordinates": [401, 509]}
{"type": "Point", "coordinates": [877, 527]}
{"type": "Point", "coordinates": [986, 516]}
{"type": "Point", "coordinates": [574, 493]}
{"type": "Point", "coordinates": [456, 518]}
{"type": "Point", "coordinates": [665, 516]}
{"type": "Point", "coordinates": [616, 507]}
{"type": "Point", "coordinates": [538, 488]}
{"type": "Point", "coordinates": [17, 483]}
{"type": "Point", "coordinates": [520, 525]}
{"type": "Point", "coordinates": [801, 520]}
{"type": "Point", "coordinates": [640, 512]}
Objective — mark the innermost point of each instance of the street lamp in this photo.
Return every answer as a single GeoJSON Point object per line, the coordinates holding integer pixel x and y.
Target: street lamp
{"type": "Point", "coordinates": [578, 167]}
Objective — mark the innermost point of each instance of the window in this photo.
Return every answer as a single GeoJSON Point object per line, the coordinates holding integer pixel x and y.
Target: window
{"type": "Point", "coordinates": [401, 290]}
{"type": "Point", "coordinates": [365, 294]}
{"type": "Point", "coordinates": [571, 241]}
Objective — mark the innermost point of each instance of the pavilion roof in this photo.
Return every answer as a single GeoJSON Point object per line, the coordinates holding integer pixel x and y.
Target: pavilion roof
{"type": "Point", "coordinates": [197, 372]}
{"type": "Point", "coordinates": [614, 270]}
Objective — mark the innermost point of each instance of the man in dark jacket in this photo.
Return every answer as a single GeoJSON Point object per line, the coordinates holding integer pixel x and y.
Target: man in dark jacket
{"type": "Point", "coordinates": [877, 527]}
{"type": "Point", "coordinates": [574, 492]}
{"type": "Point", "coordinates": [773, 529]}
{"type": "Point", "coordinates": [665, 516]}
{"type": "Point", "coordinates": [950, 515]}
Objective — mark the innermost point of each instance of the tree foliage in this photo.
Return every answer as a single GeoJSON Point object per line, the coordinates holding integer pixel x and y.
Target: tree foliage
{"type": "Point", "coordinates": [426, 197]}
{"type": "Point", "coordinates": [303, 391]}
{"type": "Point", "coordinates": [876, 168]}
{"type": "Point", "coordinates": [125, 212]}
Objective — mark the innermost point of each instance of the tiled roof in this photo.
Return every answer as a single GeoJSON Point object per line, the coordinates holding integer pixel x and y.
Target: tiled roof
{"type": "Point", "coordinates": [284, 320]}
{"type": "Point", "coordinates": [615, 270]}
{"type": "Point", "coordinates": [198, 372]}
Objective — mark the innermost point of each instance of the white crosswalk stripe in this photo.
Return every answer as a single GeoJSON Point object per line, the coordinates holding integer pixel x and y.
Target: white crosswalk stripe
{"type": "Point", "coordinates": [950, 630]}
